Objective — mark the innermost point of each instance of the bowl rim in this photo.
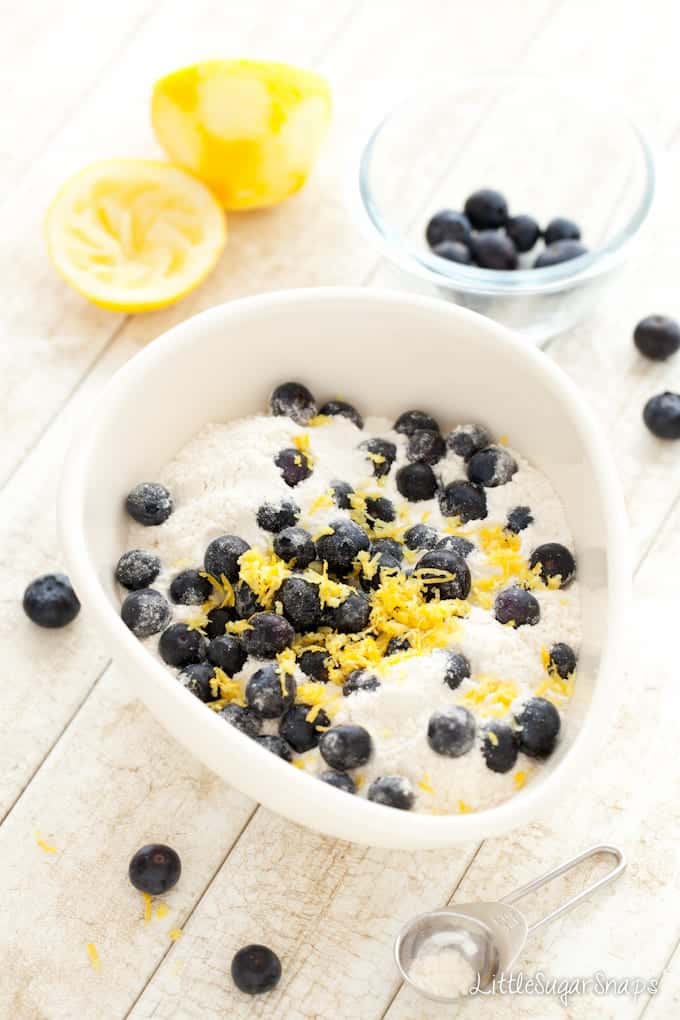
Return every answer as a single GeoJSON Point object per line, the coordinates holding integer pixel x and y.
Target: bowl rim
{"type": "Point", "coordinates": [343, 818]}
{"type": "Point", "coordinates": [475, 279]}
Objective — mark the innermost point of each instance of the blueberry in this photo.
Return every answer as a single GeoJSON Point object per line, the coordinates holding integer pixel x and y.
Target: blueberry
{"type": "Point", "coordinates": [463, 500]}
{"type": "Point", "coordinates": [145, 612]}
{"type": "Point", "coordinates": [255, 969]}
{"type": "Point", "coordinates": [451, 731]}
{"type": "Point", "coordinates": [416, 482]}
{"type": "Point", "coordinates": [295, 545]}
{"type": "Point", "coordinates": [190, 588]}
{"type": "Point", "coordinates": [389, 546]}
{"type": "Point", "coordinates": [562, 660]}
{"type": "Point", "coordinates": [561, 229]}
{"type": "Point", "coordinates": [155, 869]}
{"type": "Point", "coordinates": [412, 421]}
{"type": "Point", "coordinates": [560, 251]}
{"type": "Point", "coordinates": [180, 646]}
{"type": "Point", "coordinates": [517, 606]}
{"type": "Point", "coordinates": [293, 400]}
{"type": "Point", "coordinates": [137, 568]}
{"type": "Point", "coordinates": [243, 719]}
{"type": "Point", "coordinates": [298, 731]}
{"type": "Point", "coordinates": [426, 445]}
{"type": "Point", "coordinates": [491, 467]}
{"type": "Point", "coordinates": [657, 337]}
{"type": "Point", "coordinates": [457, 544]}
{"type": "Point", "coordinates": [398, 644]}
{"type": "Point", "coordinates": [228, 653]}
{"type": "Point", "coordinates": [378, 508]}
{"type": "Point", "coordinates": [386, 562]}
{"type": "Point", "coordinates": [246, 602]}
{"type": "Point", "coordinates": [275, 745]}
{"type": "Point", "coordinates": [340, 780]}
{"type": "Point", "coordinates": [454, 251]}
{"type": "Point", "coordinates": [392, 791]}
{"type": "Point", "coordinates": [360, 680]}
{"type": "Point", "coordinates": [448, 225]}
{"type": "Point", "coordinates": [493, 250]}
{"type": "Point", "coordinates": [661, 415]}
{"type": "Point", "coordinates": [270, 692]}
{"type": "Point", "coordinates": [314, 663]}
{"type": "Point", "coordinates": [50, 601]}
{"type": "Point", "coordinates": [149, 503]}
{"type": "Point", "coordinates": [275, 517]}
{"type": "Point", "coordinates": [294, 466]}
{"type": "Point", "coordinates": [421, 536]}
{"type": "Point", "coordinates": [268, 635]}
{"type": "Point", "coordinates": [342, 546]}
{"type": "Point", "coordinates": [486, 209]}
{"type": "Point", "coordinates": [523, 231]}
{"type": "Point", "coordinates": [352, 615]}
{"type": "Point", "coordinates": [455, 586]}
{"type": "Point", "coordinates": [222, 556]}
{"type": "Point", "coordinates": [539, 723]}
{"type": "Point", "coordinates": [218, 620]}
{"type": "Point", "coordinates": [196, 678]}
{"type": "Point", "coordinates": [341, 492]}
{"type": "Point", "coordinates": [519, 518]}
{"type": "Point", "coordinates": [465, 440]}
{"type": "Point", "coordinates": [301, 603]}
{"type": "Point", "coordinates": [457, 670]}
{"type": "Point", "coordinates": [381, 453]}
{"type": "Point", "coordinates": [555, 560]}
{"type": "Point", "coordinates": [344, 410]}
{"type": "Point", "coordinates": [346, 746]}
{"type": "Point", "coordinates": [499, 746]}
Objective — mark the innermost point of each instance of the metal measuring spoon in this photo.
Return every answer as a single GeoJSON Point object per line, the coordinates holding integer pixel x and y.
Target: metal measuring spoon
{"type": "Point", "coordinates": [488, 937]}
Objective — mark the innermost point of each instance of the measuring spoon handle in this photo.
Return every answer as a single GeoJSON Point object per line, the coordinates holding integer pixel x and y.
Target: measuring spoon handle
{"type": "Point", "coordinates": [620, 866]}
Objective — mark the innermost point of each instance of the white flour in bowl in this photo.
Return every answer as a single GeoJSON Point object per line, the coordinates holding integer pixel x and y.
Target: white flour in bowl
{"type": "Point", "coordinates": [226, 472]}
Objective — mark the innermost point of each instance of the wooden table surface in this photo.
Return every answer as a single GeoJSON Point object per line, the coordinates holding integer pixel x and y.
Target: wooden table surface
{"type": "Point", "coordinates": [84, 769]}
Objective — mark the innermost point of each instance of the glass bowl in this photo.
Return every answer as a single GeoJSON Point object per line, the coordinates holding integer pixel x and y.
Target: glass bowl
{"type": "Point", "coordinates": [552, 148]}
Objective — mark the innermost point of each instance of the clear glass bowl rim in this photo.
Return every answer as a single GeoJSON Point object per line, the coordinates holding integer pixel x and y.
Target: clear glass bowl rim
{"type": "Point", "coordinates": [474, 279]}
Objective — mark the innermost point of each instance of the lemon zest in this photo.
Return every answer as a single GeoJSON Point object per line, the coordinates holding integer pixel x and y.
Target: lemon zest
{"type": "Point", "coordinates": [491, 696]}
{"type": "Point", "coordinates": [162, 910]}
{"type": "Point", "coordinates": [147, 906]}
{"type": "Point", "coordinates": [93, 955]}
{"type": "Point", "coordinates": [320, 419]}
{"type": "Point", "coordinates": [230, 691]}
{"type": "Point", "coordinates": [175, 934]}
{"type": "Point", "coordinates": [44, 845]}
{"type": "Point", "coordinates": [425, 783]}
{"type": "Point", "coordinates": [520, 779]}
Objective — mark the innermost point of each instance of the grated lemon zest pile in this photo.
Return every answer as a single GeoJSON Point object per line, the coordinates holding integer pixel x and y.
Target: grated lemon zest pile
{"type": "Point", "coordinates": [503, 551]}
{"type": "Point", "coordinates": [553, 687]}
{"type": "Point", "coordinates": [229, 691]}
{"type": "Point", "coordinates": [264, 573]}
{"type": "Point", "coordinates": [301, 442]}
{"type": "Point", "coordinates": [222, 591]}
{"type": "Point", "coordinates": [93, 955]}
{"type": "Point", "coordinates": [331, 593]}
{"type": "Point", "coordinates": [491, 696]}
{"type": "Point", "coordinates": [287, 662]}
{"type": "Point", "coordinates": [319, 696]}
{"type": "Point", "coordinates": [238, 627]}
{"type": "Point", "coordinates": [326, 530]}
{"type": "Point", "coordinates": [322, 502]}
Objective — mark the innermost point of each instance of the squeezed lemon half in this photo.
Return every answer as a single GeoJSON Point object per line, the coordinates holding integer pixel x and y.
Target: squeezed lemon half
{"type": "Point", "coordinates": [132, 235]}
{"type": "Point", "coordinates": [252, 130]}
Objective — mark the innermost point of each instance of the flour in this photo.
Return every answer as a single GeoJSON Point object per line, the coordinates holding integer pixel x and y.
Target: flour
{"type": "Point", "coordinates": [441, 967]}
{"type": "Point", "coordinates": [226, 472]}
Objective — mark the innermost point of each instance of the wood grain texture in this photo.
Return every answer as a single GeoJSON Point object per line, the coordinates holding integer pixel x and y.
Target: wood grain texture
{"type": "Point", "coordinates": [86, 766]}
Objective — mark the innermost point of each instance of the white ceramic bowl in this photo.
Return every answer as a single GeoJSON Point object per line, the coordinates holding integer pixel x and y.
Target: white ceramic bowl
{"type": "Point", "coordinates": [387, 352]}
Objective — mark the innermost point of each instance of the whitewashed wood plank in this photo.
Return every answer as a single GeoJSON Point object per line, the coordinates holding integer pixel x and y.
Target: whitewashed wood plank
{"type": "Point", "coordinates": [103, 797]}
{"type": "Point", "coordinates": [59, 332]}
{"type": "Point", "coordinates": [666, 1003]}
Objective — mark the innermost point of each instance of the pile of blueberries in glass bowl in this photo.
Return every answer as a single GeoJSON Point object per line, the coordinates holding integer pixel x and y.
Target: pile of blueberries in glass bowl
{"type": "Point", "coordinates": [486, 235]}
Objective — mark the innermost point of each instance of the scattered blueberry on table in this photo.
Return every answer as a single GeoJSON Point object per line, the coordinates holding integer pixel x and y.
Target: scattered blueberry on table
{"type": "Point", "coordinates": [661, 415]}
{"type": "Point", "coordinates": [255, 969]}
{"type": "Point", "coordinates": [155, 869]}
{"type": "Point", "coordinates": [50, 601]}
{"type": "Point", "coordinates": [657, 337]}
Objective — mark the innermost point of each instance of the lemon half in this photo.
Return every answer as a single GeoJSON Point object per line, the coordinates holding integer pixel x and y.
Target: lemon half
{"type": "Point", "coordinates": [132, 235]}
{"type": "Point", "coordinates": [252, 130]}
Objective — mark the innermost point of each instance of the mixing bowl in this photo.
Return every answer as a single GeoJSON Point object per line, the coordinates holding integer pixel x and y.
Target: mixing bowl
{"type": "Point", "coordinates": [388, 352]}
{"type": "Point", "coordinates": [554, 148]}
